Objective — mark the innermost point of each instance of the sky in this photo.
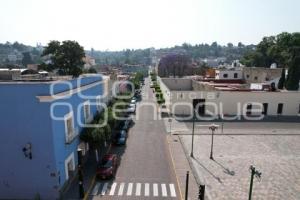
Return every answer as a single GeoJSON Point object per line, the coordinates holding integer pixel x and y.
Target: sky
{"type": "Point", "coordinates": [133, 24]}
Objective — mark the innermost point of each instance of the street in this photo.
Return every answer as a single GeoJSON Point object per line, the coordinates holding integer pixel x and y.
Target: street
{"type": "Point", "coordinates": [146, 170]}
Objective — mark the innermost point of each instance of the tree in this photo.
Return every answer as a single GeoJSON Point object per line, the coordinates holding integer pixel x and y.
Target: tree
{"type": "Point", "coordinates": [293, 78]}
{"type": "Point", "coordinates": [241, 45]}
{"type": "Point", "coordinates": [173, 64]}
{"type": "Point", "coordinates": [229, 45]}
{"type": "Point", "coordinates": [26, 59]}
{"type": "Point", "coordinates": [66, 57]}
{"type": "Point", "coordinates": [281, 80]}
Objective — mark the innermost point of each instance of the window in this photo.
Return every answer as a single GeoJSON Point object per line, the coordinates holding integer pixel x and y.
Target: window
{"type": "Point", "coordinates": [247, 76]}
{"type": "Point", "coordinates": [70, 166]}
{"type": "Point", "coordinates": [280, 108]}
{"type": "Point", "coordinates": [69, 127]}
{"type": "Point", "coordinates": [265, 109]}
{"type": "Point", "coordinates": [255, 78]}
{"type": "Point", "coordinates": [225, 75]}
{"type": "Point", "coordinates": [98, 102]}
{"type": "Point", "coordinates": [87, 111]}
{"type": "Point", "coordinates": [235, 75]}
{"type": "Point", "coordinates": [249, 108]}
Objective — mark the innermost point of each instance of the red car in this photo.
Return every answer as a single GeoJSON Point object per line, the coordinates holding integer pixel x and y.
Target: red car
{"type": "Point", "coordinates": [108, 167]}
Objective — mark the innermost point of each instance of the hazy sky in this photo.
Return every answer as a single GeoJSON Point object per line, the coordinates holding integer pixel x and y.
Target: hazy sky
{"type": "Point", "coordinates": [120, 24]}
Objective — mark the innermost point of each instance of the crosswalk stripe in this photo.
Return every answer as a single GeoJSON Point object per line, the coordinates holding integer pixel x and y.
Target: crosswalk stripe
{"type": "Point", "coordinates": [104, 189]}
{"type": "Point", "coordinates": [146, 189]}
{"type": "Point", "coordinates": [120, 193]}
{"type": "Point", "coordinates": [155, 190]}
{"type": "Point", "coordinates": [112, 189]}
{"type": "Point", "coordinates": [138, 189]}
{"type": "Point", "coordinates": [129, 189]}
{"type": "Point", "coordinates": [95, 190]}
{"type": "Point", "coordinates": [172, 189]}
{"type": "Point", "coordinates": [164, 190]}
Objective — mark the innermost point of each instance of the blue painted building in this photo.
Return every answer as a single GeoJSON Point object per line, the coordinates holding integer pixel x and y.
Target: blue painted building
{"type": "Point", "coordinates": [40, 127]}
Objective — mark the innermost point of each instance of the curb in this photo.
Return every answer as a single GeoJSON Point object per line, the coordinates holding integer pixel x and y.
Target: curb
{"type": "Point", "coordinates": [173, 163]}
{"type": "Point", "coordinates": [198, 177]}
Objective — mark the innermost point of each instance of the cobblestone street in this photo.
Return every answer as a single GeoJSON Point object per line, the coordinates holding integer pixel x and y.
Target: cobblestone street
{"type": "Point", "coordinates": [274, 153]}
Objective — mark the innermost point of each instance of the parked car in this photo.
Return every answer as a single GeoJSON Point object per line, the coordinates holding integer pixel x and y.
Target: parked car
{"type": "Point", "coordinates": [133, 100]}
{"type": "Point", "coordinates": [121, 137]}
{"type": "Point", "coordinates": [107, 168]}
{"type": "Point", "coordinates": [131, 108]}
{"type": "Point", "coordinates": [127, 124]}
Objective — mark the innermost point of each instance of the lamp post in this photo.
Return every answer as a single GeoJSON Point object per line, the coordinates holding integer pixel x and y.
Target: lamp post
{"type": "Point", "coordinates": [212, 127]}
{"type": "Point", "coordinates": [170, 121]}
{"type": "Point", "coordinates": [80, 174]}
{"type": "Point", "coordinates": [193, 133]}
{"type": "Point", "coordinates": [255, 173]}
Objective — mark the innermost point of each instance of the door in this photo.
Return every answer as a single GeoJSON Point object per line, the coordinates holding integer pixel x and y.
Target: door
{"type": "Point", "coordinates": [249, 108]}
{"type": "Point", "coordinates": [200, 104]}
{"type": "Point", "coordinates": [265, 109]}
{"type": "Point", "coordinates": [279, 108]}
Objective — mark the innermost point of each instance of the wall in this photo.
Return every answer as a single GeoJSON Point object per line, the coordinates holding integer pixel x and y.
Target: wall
{"type": "Point", "coordinates": [178, 84]}
{"type": "Point", "coordinates": [260, 75]}
{"type": "Point", "coordinates": [230, 74]}
{"type": "Point", "coordinates": [25, 119]}
{"type": "Point", "coordinates": [228, 101]}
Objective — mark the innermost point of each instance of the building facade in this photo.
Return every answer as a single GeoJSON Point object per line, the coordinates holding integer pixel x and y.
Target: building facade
{"type": "Point", "coordinates": [40, 126]}
{"type": "Point", "coordinates": [182, 94]}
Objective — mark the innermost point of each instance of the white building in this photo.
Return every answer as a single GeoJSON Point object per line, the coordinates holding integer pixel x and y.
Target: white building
{"type": "Point", "coordinates": [182, 94]}
{"type": "Point", "coordinates": [228, 74]}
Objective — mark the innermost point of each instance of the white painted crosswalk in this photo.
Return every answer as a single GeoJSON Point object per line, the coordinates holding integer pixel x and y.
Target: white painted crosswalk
{"type": "Point", "coordinates": [134, 189]}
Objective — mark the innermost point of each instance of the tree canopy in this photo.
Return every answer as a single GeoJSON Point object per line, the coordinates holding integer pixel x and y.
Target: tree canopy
{"type": "Point", "coordinates": [66, 57]}
{"type": "Point", "coordinates": [284, 50]}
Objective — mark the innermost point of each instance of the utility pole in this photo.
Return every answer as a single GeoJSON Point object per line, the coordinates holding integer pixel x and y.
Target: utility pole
{"type": "Point", "coordinates": [255, 173]}
{"type": "Point", "coordinates": [201, 192]}
{"type": "Point", "coordinates": [186, 185]}
{"type": "Point", "coordinates": [193, 133]}
{"type": "Point", "coordinates": [213, 127]}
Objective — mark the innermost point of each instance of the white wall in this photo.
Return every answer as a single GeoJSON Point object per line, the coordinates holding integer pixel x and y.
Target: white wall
{"type": "Point", "coordinates": [230, 101]}
{"type": "Point", "coordinates": [230, 74]}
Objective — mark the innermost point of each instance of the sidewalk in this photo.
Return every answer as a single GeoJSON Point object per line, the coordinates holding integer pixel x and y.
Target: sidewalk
{"type": "Point", "coordinates": [181, 166]}
{"type": "Point", "coordinates": [89, 171]}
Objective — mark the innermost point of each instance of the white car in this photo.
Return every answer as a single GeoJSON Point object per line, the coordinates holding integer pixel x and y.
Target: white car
{"type": "Point", "coordinates": [131, 108]}
{"type": "Point", "coordinates": [133, 101]}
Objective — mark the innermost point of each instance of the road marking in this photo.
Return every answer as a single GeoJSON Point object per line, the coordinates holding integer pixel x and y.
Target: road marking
{"type": "Point", "coordinates": [164, 190]}
{"type": "Point", "coordinates": [120, 193]}
{"type": "Point", "coordinates": [172, 189]}
{"type": "Point", "coordinates": [95, 190]}
{"type": "Point", "coordinates": [104, 189]}
{"type": "Point", "coordinates": [138, 189]}
{"type": "Point", "coordinates": [113, 188]}
{"type": "Point", "coordinates": [155, 190]}
{"type": "Point", "coordinates": [129, 189]}
{"type": "Point", "coordinates": [146, 189]}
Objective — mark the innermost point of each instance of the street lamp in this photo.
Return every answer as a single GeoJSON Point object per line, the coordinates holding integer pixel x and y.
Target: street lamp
{"type": "Point", "coordinates": [193, 133]}
{"type": "Point", "coordinates": [212, 127]}
{"type": "Point", "coordinates": [255, 173]}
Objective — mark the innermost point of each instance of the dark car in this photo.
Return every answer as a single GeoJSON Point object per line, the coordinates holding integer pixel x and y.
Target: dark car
{"type": "Point", "coordinates": [127, 124]}
{"type": "Point", "coordinates": [121, 138]}
{"type": "Point", "coordinates": [108, 166]}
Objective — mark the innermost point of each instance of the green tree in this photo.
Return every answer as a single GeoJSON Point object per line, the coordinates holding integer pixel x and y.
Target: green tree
{"type": "Point", "coordinates": [292, 82]}
{"type": "Point", "coordinates": [26, 59]}
{"type": "Point", "coordinates": [281, 80]}
{"type": "Point", "coordinates": [67, 57]}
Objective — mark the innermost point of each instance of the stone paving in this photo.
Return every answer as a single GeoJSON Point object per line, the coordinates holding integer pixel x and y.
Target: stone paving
{"type": "Point", "coordinates": [273, 148]}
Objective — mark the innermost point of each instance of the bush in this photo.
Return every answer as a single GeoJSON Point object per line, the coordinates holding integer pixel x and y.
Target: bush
{"type": "Point", "coordinates": [161, 101]}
